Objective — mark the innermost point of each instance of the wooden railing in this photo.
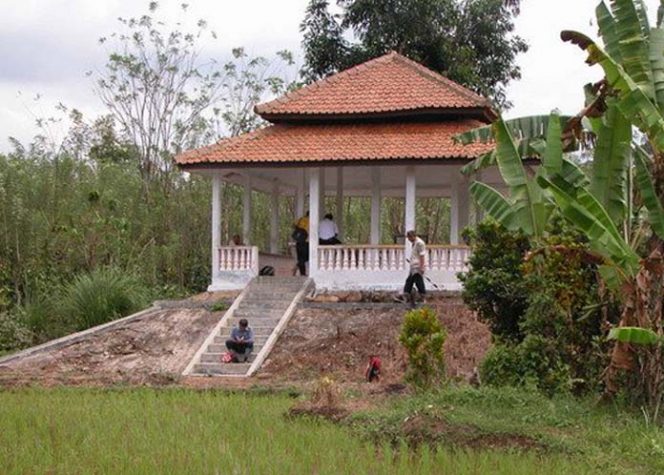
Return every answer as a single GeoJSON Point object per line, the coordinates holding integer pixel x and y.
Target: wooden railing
{"type": "Point", "coordinates": [386, 258]}
{"type": "Point", "coordinates": [238, 258]}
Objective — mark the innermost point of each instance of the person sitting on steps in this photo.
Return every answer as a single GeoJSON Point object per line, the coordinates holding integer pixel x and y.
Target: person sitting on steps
{"type": "Point", "coordinates": [241, 342]}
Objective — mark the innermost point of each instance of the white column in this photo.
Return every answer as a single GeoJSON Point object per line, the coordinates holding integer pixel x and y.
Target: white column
{"type": "Point", "coordinates": [274, 220]}
{"type": "Point", "coordinates": [246, 212]}
{"type": "Point", "coordinates": [340, 202]}
{"type": "Point", "coordinates": [409, 214]}
{"type": "Point", "coordinates": [375, 206]}
{"type": "Point", "coordinates": [299, 196]}
{"type": "Point", "coordinates": [314, 218]}
{"type": "Point", "coordinates": [321, 190]}
{"type": "Point", "coordinates": [216, 224]}
{"type": "Point", "coordinates": [479, 212]}
{"type": "Point", "coordinates": [459, 208]}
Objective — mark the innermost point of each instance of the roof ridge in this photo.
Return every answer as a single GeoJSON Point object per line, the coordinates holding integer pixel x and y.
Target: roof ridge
{"type": "Point", "coordinates": [309, 88]}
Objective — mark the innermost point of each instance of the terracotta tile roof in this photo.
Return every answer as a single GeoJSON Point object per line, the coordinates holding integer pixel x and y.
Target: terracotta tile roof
{"type": "Point", "coordinates": [288, 143]}
{"type": "Point", "coordinates": [389, 83]}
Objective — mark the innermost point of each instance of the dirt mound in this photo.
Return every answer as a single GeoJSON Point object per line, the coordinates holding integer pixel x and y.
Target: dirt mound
{"type": "Point", "coordinates": [422, 429]}
{"type": "Point", "coordinates": [339, 341]}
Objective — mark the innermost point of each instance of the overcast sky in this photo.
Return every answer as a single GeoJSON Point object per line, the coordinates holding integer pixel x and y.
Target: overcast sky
{"type": "Point", "coordinates": [47, 46]}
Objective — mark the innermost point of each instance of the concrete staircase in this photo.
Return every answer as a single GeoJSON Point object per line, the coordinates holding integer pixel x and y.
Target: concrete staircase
{"type": "Point", "coordinates": [267, 303]}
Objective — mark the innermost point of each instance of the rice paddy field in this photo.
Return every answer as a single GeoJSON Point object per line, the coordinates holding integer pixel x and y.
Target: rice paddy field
{"type": "Point", "coordinates": [174, 431]}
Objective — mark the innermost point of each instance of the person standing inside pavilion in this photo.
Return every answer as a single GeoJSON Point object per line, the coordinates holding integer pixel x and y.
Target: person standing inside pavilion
{"type": "Point", "coordinates": [301, 237]}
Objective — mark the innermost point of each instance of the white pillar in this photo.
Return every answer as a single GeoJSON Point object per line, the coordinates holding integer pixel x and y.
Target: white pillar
{"type": "Point", "coordinates": [479, 212]}
{"type": "Point", "coordinates": [246, 212]}
{"type": "Point", "coordinates": [321, 189]}
{"type": "Point", "coordinates": [299, 196]}
{"type": "Point", "coordinates": [216, 224]}
{"type": "Point", "coordinates": [459, 208]}
{"type": "Point", "coordinates": [409, 214]}
{"type": "Point", "coordinates": [375, 206]}
{"type": "Point", "coordinates": [314, 218]}
{"type": "Point", "coordinates": [340, 202]}
{"type": "Point", "coordinates": [274, 220]}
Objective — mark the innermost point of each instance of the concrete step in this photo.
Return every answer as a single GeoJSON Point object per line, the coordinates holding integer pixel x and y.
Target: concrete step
{"type": "Point", "coordinates": [255, 320]}
{"type": "Point", "coordinates": [269, 298]}
{"type": "Point", "coordinates": [221, 369]}
{"type": "Point", "coordinates": [262, 307]}
{"type": "Point", "coordinates": [216, 357]}
{"type": "Point", "coordinates": [291, 288]}
{"type": "Point", "coordinates": [221, 339]}
{"type": "Point", "coordinates": [255, 317]}
{"type": "Point", "coordinates": [221, 347]}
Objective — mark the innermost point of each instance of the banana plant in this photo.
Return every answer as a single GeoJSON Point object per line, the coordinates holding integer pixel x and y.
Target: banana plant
{"type": "Point", "coordinates": [633, 65]}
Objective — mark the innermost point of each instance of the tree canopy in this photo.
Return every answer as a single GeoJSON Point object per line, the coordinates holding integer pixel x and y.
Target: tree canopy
{"type": "Point", "coordinates": [470, 41]}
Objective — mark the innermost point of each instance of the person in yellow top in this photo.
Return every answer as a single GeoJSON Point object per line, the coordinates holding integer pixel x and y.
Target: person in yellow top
{"type": "Point", "coordinates": [303, 222]}
{"type": "Point", "coordinates": [301, 238]}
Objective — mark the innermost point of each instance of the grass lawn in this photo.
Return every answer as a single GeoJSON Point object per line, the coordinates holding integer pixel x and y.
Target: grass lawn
{"type": "Point", "coordinates": [181, 431]}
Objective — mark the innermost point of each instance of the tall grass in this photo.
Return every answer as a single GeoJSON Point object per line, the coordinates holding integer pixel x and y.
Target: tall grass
{"type": "Point", "coordinates": [102, 295]}
{"type": "Point", "coordinates": [178, 431]}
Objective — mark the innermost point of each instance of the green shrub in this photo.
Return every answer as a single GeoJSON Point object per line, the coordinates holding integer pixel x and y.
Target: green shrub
{"type": "Point", "coordinates": [534, 362]}
{"type": "Point", "coordinates": [14, 334]}
{"type": "Point", "coordinates": [102, 295]}
{"type": "Point", "coordinates": [543, 307]}
{"type": "Point", "coordinates": [494, 286]}
{"type": "Point", "coordinates": [423, 337]}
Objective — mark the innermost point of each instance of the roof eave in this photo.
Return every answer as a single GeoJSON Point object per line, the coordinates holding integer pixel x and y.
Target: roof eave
{"type": "Point", "coordinates": [481, 113]}
{"type": "Point", "coordinates": [199, 166]}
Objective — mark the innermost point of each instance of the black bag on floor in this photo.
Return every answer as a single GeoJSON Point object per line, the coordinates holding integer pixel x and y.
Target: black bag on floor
{"type": "Point", "coordinates": [266, 270]}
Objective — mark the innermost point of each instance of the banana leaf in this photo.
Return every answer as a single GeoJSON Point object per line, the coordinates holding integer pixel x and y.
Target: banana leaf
{"type": "Point", "coordinates": [573, 175]}
{"type": "Point", "coordinates": [527, 147]}
{"type": "Point", "coordinates": [647, 189]}
{"type": "Point", "coordinates": [633, 102]}
{"type": "Point", "coordinates": [607, 30]}
{"type": "Point", "coordinates": [526, 197]}
{"type": "Point", "coordinates": [636, 335]}
{"type": "Point", "coordinates": [656, 57]}
{"type": "Point", "coordinates": [581, 209]}
{"type": "Point", "coordinates": [631, 29]}
{"type": "Point", "coordinates": [492, 202]}
{"type": "Point", "coordinates": [553, 154]}
{"type": "Point", "coordinates": [610, 163]}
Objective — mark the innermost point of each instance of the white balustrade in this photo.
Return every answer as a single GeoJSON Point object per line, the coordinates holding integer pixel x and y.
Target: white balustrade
{"type": "Point", "coordinates": [389, 258]}
{"type": "Point", "coordinates": [238, 258]}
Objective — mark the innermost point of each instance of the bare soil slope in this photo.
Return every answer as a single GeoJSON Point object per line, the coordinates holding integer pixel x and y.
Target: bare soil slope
{"type": "Point", "coordinates": [338, 342]}
{"type": "Point", "coordinates": [335, 340]}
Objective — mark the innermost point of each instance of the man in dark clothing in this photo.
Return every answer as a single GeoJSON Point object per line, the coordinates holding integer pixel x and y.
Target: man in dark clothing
{"type": "Point", "coordinates": [241, 342]}
{"type": "Point", "coordinates": [301, 238]}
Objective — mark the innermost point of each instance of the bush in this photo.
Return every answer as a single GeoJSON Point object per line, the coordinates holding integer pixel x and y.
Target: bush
{"type": "Point", "coordinates": [102, 295]}
{"type": "Point", "coordinates": [535, 362]}
{"type": "Point", "coordinates": [542, 305]}
{"type": "Point", "coordinates": [423, 337]}
{"type": "Point", "coordinates": [494, 286]}
{"type": "Point", "coordinates": [14, 334]}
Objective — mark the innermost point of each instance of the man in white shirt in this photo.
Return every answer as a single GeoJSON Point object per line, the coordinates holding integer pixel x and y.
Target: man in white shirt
{"type": "Point", "coordinates": [417, 267]}
{"type": "Point", "coordinates": [328, 232]}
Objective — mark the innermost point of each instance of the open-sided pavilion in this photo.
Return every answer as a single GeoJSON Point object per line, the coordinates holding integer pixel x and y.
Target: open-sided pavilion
{"type": "Point", "coordinates": [380, 129]}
